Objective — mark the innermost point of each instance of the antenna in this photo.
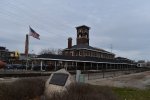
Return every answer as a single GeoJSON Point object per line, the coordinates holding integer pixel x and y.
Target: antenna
{"type": "Point", "coordinates": [111, 47]}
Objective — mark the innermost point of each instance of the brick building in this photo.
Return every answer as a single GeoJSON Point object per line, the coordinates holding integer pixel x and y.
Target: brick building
{"type": "Point", "coordinates": [4, 53]}
{"type": "Point", "coordinates": [82, 56]}
{"type": "Point", "coordinates": [8, 56]}
{"type": "Point", "coordinates": [82, 47]}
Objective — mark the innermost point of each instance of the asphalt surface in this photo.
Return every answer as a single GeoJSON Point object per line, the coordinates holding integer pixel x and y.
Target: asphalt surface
{"type": "Point", "coordinates": [135, 80]}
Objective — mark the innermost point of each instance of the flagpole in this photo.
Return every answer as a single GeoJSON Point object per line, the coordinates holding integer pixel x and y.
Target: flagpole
{"type": "Point", "coordinates": [28, 54]}
{"type": "Point", "coordinates": [28, 50]}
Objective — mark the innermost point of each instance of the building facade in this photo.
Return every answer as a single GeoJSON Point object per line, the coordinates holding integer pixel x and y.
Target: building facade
{"type": "Point", "coordinates": [82, 56]}
{"type": "Point", "coordinates": [82, 47]}
{"type": "Point", "coordinates": [4, 53]}
{"type": "Point", "coordinates": [8, 56]}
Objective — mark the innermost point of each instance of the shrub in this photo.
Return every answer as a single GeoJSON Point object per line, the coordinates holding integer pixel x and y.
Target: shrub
{"type": "Point", "coordinates": [23, 89]}
{"type": "Point", "coordinates": [85, 92]}
{"type": "Point", "coordinates": [28, 89]}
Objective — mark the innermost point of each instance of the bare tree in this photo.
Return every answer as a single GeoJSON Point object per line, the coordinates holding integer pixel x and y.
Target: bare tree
{"type": "Point", "coordinates": [51, 51]}
{"type": "Point", "coordinates": [148, 64]}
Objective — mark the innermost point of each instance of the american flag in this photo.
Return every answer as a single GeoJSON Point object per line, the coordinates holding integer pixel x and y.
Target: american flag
{"type": "Point", "coordinates": [34, 34]}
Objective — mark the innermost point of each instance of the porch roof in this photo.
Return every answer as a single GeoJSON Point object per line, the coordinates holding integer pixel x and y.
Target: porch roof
{"type": "Point", "coordinates": [82, 59]}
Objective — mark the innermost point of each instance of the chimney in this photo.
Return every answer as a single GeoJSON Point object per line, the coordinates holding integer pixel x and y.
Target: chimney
{"type": "Point", "coordinates": [26, 45]}
{"type": "Point", "coordinates": [69, 42]}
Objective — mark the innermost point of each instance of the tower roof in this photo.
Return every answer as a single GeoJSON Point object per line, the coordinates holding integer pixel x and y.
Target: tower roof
{"type": "Point", "coordinates": [82, 26]}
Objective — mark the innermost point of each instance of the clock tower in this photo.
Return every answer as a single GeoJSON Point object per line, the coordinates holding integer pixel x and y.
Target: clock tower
{"type": "Point", "coordinates": [83, 35]}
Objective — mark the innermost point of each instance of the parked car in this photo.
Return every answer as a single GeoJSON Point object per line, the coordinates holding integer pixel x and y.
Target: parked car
{"type": "Point", "coordinates": [38, 67]}
{"type": "Point", "coordinates": [2, 64]}
{"type": "Point", "coordinates": [18, 66]}
{"type": "Point", "coordinates": [9, 66]}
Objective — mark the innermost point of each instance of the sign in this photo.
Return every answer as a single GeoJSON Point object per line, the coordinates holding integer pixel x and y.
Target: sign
{"type": "Point", "coordinates": [59, 79]}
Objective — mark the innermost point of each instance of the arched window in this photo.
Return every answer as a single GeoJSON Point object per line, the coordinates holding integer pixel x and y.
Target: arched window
{"type": "Point", "coordinates": [79, 35]}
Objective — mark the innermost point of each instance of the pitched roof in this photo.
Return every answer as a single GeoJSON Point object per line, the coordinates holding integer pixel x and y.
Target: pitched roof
{"type": "Point", "coordinates": [82, 26]}
{"type": "Point", "coordinates": [82, 46]}
{"type": "Point", "coordinates": [2, 48]}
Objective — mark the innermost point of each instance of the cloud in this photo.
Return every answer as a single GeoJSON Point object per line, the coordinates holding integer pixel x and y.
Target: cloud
{"type": "Point", "coordinates": [124, 24]}
{"type": "Point", "coordinates": [128, 54]}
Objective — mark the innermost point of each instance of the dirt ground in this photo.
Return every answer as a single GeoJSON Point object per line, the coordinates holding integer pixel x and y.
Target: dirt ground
{"type": "Point", "coordinates": [136, 80]}
{"type": "Point", "coordinates": [5, 80]}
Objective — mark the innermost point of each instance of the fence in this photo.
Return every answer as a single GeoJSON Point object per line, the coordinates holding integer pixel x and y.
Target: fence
{"type": "Point", "coordinates": [90, 75]}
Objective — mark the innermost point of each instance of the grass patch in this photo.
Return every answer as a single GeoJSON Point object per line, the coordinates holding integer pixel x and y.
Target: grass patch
{"type": "Point", "coordinates": [132, 94]}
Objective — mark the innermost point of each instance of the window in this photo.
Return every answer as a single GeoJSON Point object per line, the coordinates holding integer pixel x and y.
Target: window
{"type": "Point", "coordinates": [80, 53]}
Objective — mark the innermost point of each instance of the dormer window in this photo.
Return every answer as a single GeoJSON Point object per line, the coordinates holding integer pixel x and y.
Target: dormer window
{"type": "Point", "coordinates": [85, 36]}
{"type": "Point", "coordinates": [80, 36]}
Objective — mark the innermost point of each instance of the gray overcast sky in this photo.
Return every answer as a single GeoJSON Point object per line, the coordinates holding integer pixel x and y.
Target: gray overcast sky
{"type": "Point", "coordinates": [122, 23]}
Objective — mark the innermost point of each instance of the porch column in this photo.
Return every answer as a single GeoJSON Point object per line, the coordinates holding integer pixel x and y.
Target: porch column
{"type": "Point", "coordinates": [103, 70]}
{"type": "Point", "coordinates": [66, 65]}
{"type": "Point", "coordinates": [121, 67]}
{"type": "Point", "coordinates": [118, 66]}
{"type": "Point", "coordinates": [41, 65]}
{"type": "Point", "coordinates": [55, 66]}
{"type": "Point", "coordinates": [91, 65]}
{"type": "Point", "coordinates": [106, 66]}
{"type": "Point", "coordinates": [84, 65]}
{"type": "Point", "coordinates": [32, 65]}
{"type": "Point", "coordinates": [97, 66]}
{"type": "Point", "coordinates": [76, 66]}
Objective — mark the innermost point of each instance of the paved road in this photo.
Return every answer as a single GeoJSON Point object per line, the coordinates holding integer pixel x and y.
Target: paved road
{"type": "Point", "coordinates": [136, 80]}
